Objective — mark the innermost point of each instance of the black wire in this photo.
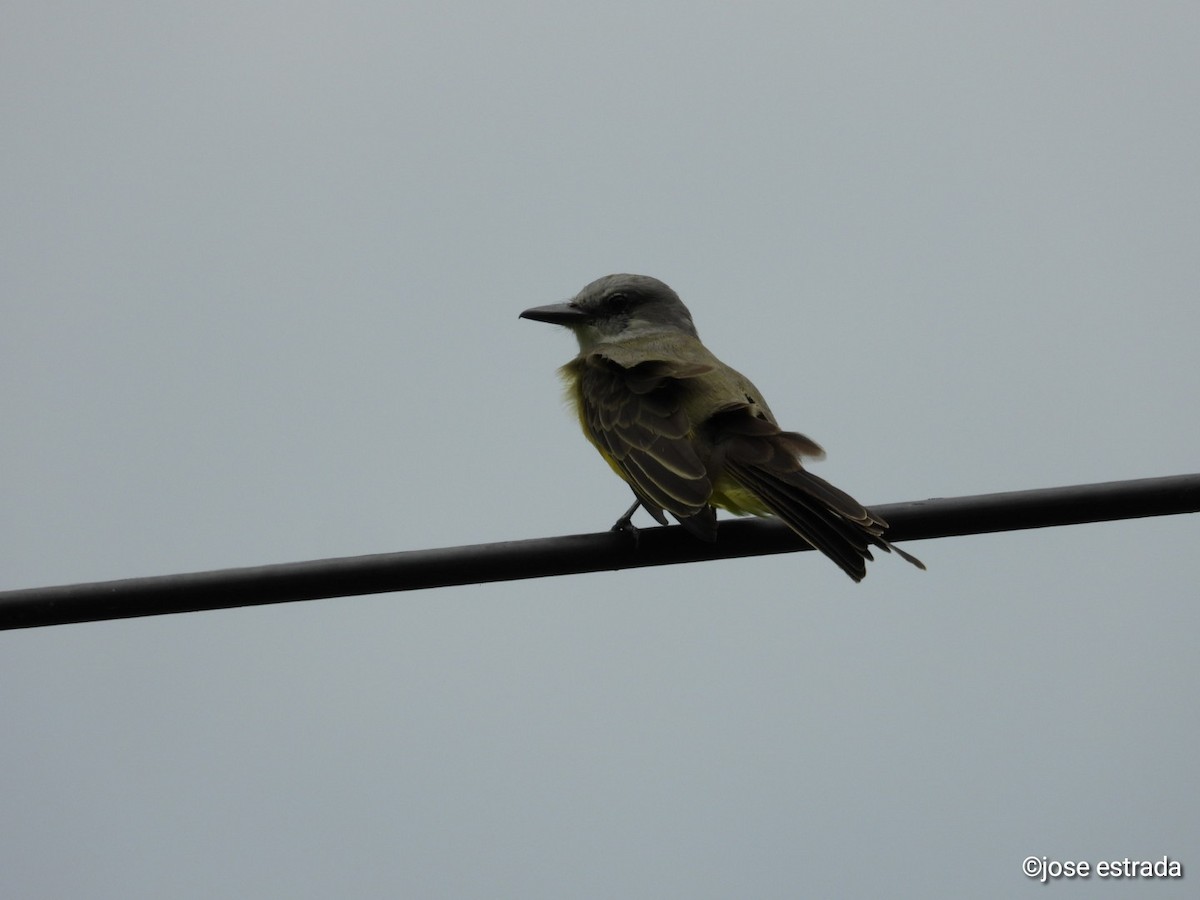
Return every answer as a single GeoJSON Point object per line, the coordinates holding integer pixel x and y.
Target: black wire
{"type": "Point", "coordinates": [510, 560]}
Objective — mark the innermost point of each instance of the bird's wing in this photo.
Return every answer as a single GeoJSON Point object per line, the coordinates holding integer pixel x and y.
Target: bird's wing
{"type": "Point", "coordinates": [633, 411]}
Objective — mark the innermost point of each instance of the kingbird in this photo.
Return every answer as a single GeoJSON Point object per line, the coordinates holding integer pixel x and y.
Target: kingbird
{"type": "Point", "coordinates": [689, 434]}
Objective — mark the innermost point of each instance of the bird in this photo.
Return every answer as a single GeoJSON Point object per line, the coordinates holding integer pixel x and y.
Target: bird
{"type": "Point", "coordinates": [690, 434]}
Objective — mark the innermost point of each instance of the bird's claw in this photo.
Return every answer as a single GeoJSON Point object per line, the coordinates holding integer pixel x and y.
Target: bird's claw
{"type": "Point", "coordinates": [625, 526]}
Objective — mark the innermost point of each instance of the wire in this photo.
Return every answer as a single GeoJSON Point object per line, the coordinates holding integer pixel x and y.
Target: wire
{"type": "Point", "coordinates": [506, 561]}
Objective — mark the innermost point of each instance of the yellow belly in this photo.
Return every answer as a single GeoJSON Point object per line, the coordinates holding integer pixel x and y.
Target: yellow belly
{"type": "Point", "coordinates": [730, 496]}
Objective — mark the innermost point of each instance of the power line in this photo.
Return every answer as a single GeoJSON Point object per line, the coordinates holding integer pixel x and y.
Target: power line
{"type": "Point", "coordinates": [572, 554]}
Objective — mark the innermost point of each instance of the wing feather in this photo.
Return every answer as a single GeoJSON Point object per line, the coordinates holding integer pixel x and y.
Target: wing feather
{"type": "Point", "coordinates": [634, 413]}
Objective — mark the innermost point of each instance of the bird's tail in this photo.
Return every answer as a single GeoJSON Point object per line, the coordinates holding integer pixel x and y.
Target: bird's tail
{"type": "Point", "coordinates": [826, 517]}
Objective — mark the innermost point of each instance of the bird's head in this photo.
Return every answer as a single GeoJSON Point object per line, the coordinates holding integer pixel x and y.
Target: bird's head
{"type": "Point", "coordinates": [616, 308]}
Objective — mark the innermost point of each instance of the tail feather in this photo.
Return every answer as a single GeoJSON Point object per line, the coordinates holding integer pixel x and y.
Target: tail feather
{"type": "Point", "coordinates": [816, 523]}
{"type": "Point", "coordinates": [826, 517]}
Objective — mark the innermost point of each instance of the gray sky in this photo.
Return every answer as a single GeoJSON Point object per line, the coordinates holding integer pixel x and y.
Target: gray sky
{"type": "Point", "coordinates": [262, 270]}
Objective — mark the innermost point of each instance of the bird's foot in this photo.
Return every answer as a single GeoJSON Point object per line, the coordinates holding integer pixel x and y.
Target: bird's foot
{"type": "Point", "coordinates": [625, 524]}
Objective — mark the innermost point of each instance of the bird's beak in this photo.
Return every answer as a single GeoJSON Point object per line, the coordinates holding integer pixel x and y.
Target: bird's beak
{"type": "Point", "coordinates": [557, 314]}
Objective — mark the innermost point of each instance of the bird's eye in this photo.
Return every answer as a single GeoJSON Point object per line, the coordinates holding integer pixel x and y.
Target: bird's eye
{"type": "Point", "coordinates": [618, 302]}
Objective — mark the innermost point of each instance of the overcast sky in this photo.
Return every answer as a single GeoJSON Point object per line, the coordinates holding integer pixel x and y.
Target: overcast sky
{"type": "Point", "coordinates": [262, 265]}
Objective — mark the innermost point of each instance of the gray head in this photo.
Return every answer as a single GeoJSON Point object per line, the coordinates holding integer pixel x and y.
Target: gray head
{"type": "Point", "coordinates": [618, 306]}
